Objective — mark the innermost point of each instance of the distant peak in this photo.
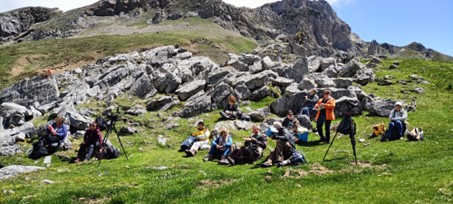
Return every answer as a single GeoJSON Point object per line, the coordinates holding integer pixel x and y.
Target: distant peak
{"type": "Point", "coordinates": [416, 46]}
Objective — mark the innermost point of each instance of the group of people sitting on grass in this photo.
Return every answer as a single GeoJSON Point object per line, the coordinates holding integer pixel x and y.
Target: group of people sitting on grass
{"type": "Point", "coordinates": [220, 143]}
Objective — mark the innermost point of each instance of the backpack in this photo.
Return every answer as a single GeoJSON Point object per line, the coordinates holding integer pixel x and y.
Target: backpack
{"type": "Point", "coordinates": [38, 150]}
{"type": "Point", "coordinates": [111, 152]}
{"type": "Point", "coordinates": [252, 152]}
{"type": "Point", "coordinates": [102, 124]}
{"type": "Point", "coordinates": [415, 134]}
{"type": "Point", "coordinates": [378, 130]}
{"type": "Point", "coordinates": [297, 158]}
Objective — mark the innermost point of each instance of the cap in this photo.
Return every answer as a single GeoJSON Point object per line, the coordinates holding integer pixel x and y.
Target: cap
{"type": "Point", "coordinates": [277, 125]}
{"type": "Point", "coordinates": [398, 103]}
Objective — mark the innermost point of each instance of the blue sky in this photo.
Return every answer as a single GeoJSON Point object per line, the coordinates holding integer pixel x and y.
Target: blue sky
{"type": "Point", "coordinates": [397, 22]}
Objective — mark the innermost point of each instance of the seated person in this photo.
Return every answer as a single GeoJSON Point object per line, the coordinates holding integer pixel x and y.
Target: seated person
{"type": "Point", "coordinates": [221, 147]}
{"type": "Point", "coordinates": [295, 159]}
{"type": "Point", "coordinates": [283, 149]}
{"type": "Point", "coordinates": [92, 140]}
{"type": "Point", "coordinates": [200, 138]}
{"type": "Point", "coordinates": [231, 109]}
{"type": "Point", "coordinates": [55, 135]}
{"type": "Point", "coordinates": [309, 104]}
{"type": "Point", "coordinates": [398, 117]}
{"type": "Point", "coordinates": [289, 121]}
{"type": "Point", "coordinates": [251, 151]}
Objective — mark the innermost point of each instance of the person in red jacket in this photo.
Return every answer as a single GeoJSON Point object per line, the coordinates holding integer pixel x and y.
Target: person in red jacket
{"type": "Point", "coordinates": [325, 107]}
{"type": "Point", "coordinates": [91, 140]}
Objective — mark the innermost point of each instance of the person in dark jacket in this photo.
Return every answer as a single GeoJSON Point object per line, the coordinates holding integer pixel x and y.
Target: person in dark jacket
{"type": "Point", "coordinates": [398, 117]}
{"type": "Point", "coordinates": [92, 140]}
{"type": "Point", "coordinates": [231, 109]}
{"type": "Point", "coordinates": [309, 104]}
{"type": "Point", "coordinates": [289, 121]}
{"type": "Point", "coordinates": [56, 134]}
{"type": "Point", "coordinates": [252, 149]}
{"type": "Point", "coordinates": [283, 149]}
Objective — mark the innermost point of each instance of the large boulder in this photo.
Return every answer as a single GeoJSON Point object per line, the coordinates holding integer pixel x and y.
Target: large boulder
{"type": "Point", "coordinates": [218, 75]}
{"type": "Point", "coordinates": [143, 87]}
{"type": "Point", "coordinates": [242, 91]}
{"type": "Point", "coordinates": [297, 71]}
{"type": "Point", "coordinates": [307, 84]}
{"type": "Point", "coordinates": [327, 62]}
{"type": "Point", "coordinates": [347, 104]}
{"type": "Point", "coordinates": [380, 108]}
{"type": "Point", "coordinates": [351, 68]}
{"type": "Point", "coordinates": [304, 121]}
{"type": "Point", "coordinates": [196, 105]}
{"type": "Point", "coordinates": [26, 92]}
{"type": "Point", "coordinates": [365, 76]}
{"type": "Point", "coordinates": [220, 95]}
{"type": "Point", "coordinates": [324, 81]}
{"type": "Point", "coordinates": [162, 103]}
{"type": "Point", "coordinates": [259, 115]}
{"type": "Point", "coordinates": [77, 121]}
{"type": "Point", "coordinates": [261, 93]}
{"type": "Point", "coordinates": [253, 81]}
{"type": "Point", "coordinates": [343, 83]}
{"type": "Point", "coordinates": [288, 102]}
{"type": "Point", "coordinates": [27, 128]}
{"type": "Point", "coordinates": [13, 170]}
{"type": "Point", "coordinates": [166, 82]}
{"type": "Point", "coordinates": [189, 89]}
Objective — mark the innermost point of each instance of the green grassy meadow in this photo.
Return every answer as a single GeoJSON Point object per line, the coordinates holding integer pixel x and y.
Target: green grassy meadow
{"type": "Point", "coordinates": [391, 172]}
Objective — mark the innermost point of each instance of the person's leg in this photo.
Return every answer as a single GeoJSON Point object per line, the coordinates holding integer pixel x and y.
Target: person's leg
{"type": "Point", "coordinates": [279, 150]}
{"type": "Point", "coordinates": [306, 112]}
{"type": "Point", "coordinates": [81, 153]}
{"type": "Point", "coordinates": [328, 131]}
{"type": "Point", "coordinates": [388, 134]}
{"type": "Point", "coordinates": [286, 150]}
{"type": "Point", "coordinates": [89, 152]}
{"type": "Point", "coordinates": [319, 124]}
{"type": "Point", "coordinates": [399, 129]}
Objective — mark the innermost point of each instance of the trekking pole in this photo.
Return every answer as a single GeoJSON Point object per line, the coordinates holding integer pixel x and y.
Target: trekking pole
{"type": "Point", "coordinates": [324, 158]}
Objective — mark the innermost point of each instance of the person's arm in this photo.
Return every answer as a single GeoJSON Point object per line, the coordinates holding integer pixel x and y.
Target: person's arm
{"type": "Point", "coordinates": [61, 132]}
{"type": "Point", "coordinates": [318, 104]}
{"type": "Point", "coordinates": [313, 100]}
{"type": "Point", "coordinates": [392, 112]}
{"type": "Point", "coordinates": [99, 134]}
{"type": "Point", "coordinates": [204, 136]}
{"type": "Point", "coordinates": [216, 141]}
{"type": "Point", "coordinates": [229, 142]}
{"type": "Point", "coordinates": [261, 141]}
{"type": "Point", "coordinates": [330, 104]}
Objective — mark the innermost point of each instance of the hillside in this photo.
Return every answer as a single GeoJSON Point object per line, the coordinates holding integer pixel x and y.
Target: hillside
{"type": "Point", "coordinates": [397, 171]}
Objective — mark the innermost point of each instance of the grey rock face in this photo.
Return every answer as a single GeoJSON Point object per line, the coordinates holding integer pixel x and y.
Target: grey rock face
{"type": "Point", "coordinates": [343, 82]}
{"type": "Point", "coordinates": [242, 91]}
{"type": "Point", "coordinates": [143, 87]}
{"type": "Point", "coordinates": [347, 104]}
{"type": "Point", "coordinates": [124, 131]}
{"type": "Point", "coordinates": [288, 102]}
{"type": "Point", "coordinates": [136, 110]}
{"type": "Point", "coordinates": [380, 108]}
{"type": "Point", "coordinates": [28, 91]}
{"type": "Point", "coordinates": [187, 90]}
{"type": "Point", "coordinates": [304, 121]}
{"type": "Point", "coordinates": [13, 170]}
{"type": "Point", "coordinates": [297, 71]}
{"type": "Point", "coordinates": [220, 94]}
{"type": "Point", "coordinates": [196, 105]}
{"type": "Point", "coordinates": [325, 82]}
{"type": "Point", "coordinates": [351, 68]}
{"type": "Point", "coordinates": [261, 93]}
{"type": "Point", "coordinates": [163, 103]}
{"type": "Point", "coordinates": [166, 82]}
{"type": "Point", "coordinates": [259, 115]}
{"type": "Point", "coordinates": [307, 84]}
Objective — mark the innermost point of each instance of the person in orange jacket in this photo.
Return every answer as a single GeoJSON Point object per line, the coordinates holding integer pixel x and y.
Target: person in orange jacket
{"type": "Point", "coordinates": [325, 107]}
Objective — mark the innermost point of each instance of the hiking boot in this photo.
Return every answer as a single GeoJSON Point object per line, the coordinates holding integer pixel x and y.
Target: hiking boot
{"type": "Point", "coordinates": [180, 150]}
{"type": "Point", "coordinates": [207, 158]}
{"type": "Point", "coordinates": [231, 161]}
{"type": "Point", "coordinates": [189, 153]}
{"type": "Point", "coordinates": [223, 162]}
{"type": "Point", "coordinates": [315, 130]}
{"type": "Point", "coordinates": [266, 164]}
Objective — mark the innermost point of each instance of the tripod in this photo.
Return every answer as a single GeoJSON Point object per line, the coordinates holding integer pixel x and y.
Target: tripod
{"type": "Point", "coordinates": [350, 129]}
{"type": "Point", "coordinates": [111, 127]}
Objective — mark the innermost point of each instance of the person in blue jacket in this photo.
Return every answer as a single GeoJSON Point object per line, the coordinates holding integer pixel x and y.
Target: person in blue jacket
{"type": "Point", "coordinates": [56, 133]}
{"type": "Point", "coordinates": [221, 147]}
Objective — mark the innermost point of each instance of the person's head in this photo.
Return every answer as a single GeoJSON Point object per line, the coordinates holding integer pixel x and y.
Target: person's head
{"type": "Point", "coordinates": [231, 99]}
{"type": "Point", "coordinates": [398, 106]}
{"type": "Point", "coordinates": [326, 93]}
{"type": "Point", "coordinates": [312, 92]}
{"type": "Point", "coordinates": [224, 132]}
{"type": "Point", "coordinates": [290, 115]}
{"type": "Point", "coordinates": [277, 125]}
{"type": "Point", "coordinates": [93, 126]}
{"type": "Point", "coordinates": [59, 120]}
{"type": "Point", "coordinates": [200, 125]}
{"type": "Point", "coordinates": [255, 129]}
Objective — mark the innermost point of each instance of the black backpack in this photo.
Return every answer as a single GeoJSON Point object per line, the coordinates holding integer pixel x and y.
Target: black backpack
{"type": "Point", "coordinates": [39, 150]}
{"type": "Point", "coordinates": [111, 152]}
{"type": "Point", "coordinates": [102, 124]}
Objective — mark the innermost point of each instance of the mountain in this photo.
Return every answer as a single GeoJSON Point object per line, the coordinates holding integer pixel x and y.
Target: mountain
{"type": "Point", "coordinates": [309, 27]}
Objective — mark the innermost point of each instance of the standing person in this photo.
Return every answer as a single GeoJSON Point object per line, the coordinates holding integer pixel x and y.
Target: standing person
{"type": "Point", "coordinates": [201, 137]}
{"type": "Point", "coordinates": [92, 140]}
{"type": "Point", "coordinates": [285, 144]}
{"type": "Point", "coordinates": [289, 121]}
{"type": "Point", "coordinates": [325, 107]}
{"type": "Point", "coordinates": [252, 149]}
{"type": "Point", "coordinates": [221, 147]}
{"type": "Point", "coordinates": [398, 117]}
{"type": "Point", "coordinates": [231, 109]}
{"type": "Point", "coordinates": [309, 104]}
